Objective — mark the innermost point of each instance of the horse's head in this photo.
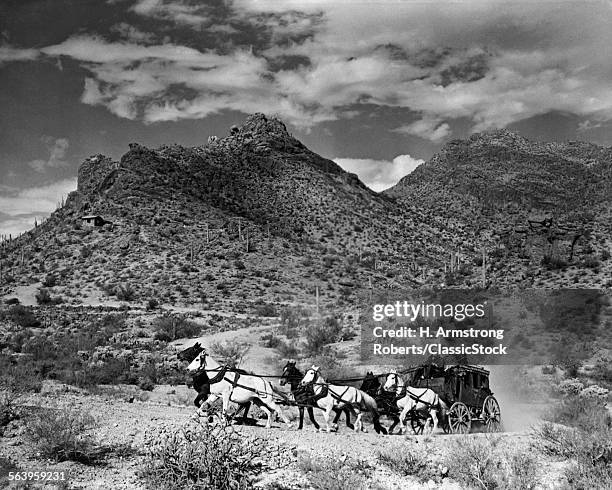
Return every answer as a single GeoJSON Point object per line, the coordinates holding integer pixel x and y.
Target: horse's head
{"type": "Point", "coordinates": [391, 381]}
{"type": "Point", "coordinates": [290, 373]}
{"type": "Point", "coordinates": [199, 362]}
{"type": "Point", "coordinates": [310, 377]}
{"type": "Point", "coordinates": [370, 383]}
{"type": "Point", "coordinates": [190, 353]}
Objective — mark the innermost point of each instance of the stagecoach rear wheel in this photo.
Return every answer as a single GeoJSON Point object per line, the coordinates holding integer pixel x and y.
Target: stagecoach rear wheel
{"type": "Point", "coordinates": [491, 415]}
{"type": "Point", "coordinates": [459, 419]}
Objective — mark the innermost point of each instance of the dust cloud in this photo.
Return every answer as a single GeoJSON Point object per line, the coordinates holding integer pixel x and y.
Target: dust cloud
{"type": "Point", "coordinates": [519, 410]}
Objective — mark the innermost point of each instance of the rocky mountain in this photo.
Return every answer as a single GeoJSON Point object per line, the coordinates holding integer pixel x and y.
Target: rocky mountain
{"type": "Point", "coordinates": [503, 170]}
{"type": "Point", "coordinates": [257, 216]}
{"type": "Point", "coordinates": [522, 200]}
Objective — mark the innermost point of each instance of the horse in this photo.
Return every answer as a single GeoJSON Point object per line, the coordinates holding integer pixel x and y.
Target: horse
{"type": "Point", "coordinates": [384, 399]}
{"type": "Point", "coordinates": [201, 383]}
{"type": "Point", "coordinates": [329, 396]}
{"type": "Point", "coordinates": [304, 395]}
{"type": "Point", "coordinates": [237, 386]}
{"type": "Point", "coordinates": [410, 399]}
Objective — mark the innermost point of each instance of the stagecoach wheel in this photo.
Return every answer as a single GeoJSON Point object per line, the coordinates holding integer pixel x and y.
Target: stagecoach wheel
{"type": "Point", "coordinates": [459, 419]}
{"type": "Point", "coordinates": [491, 415]}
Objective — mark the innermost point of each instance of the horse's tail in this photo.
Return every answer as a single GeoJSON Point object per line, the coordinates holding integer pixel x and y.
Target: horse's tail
{"type": "Point", "coordinates": [442, 406]}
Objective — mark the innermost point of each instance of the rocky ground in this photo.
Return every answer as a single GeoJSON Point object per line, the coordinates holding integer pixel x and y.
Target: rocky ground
{"type": "Point", "coordinates": [128, 425]}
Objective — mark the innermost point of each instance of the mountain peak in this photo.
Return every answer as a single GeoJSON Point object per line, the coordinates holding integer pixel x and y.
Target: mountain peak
{"type": "Point", "coordinates": [498, 136]}
{"type": "Point", "coordinates": [259, 123]}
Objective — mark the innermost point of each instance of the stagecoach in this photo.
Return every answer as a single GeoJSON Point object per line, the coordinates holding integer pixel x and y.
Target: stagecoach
{"type": "Point", "coordinates": [465, 391]}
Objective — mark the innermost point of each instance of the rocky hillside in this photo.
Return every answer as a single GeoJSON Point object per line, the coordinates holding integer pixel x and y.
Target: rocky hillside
{"type": "Point", "coordinates": [523, 201]}
{"type": "Point", "coordinates": [257, 216]}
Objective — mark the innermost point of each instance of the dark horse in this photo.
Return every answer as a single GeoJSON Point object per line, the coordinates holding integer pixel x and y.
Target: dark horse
{"type": "Point", "coordinates": [385, 399]}
{"type": "Point", "coordinates": [304, 396]}
{"type": "Point", "coordinates": [201, 383]}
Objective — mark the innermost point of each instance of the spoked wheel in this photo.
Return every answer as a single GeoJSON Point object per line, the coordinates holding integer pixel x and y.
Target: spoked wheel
{"type": "Point", "coordinates": [491, 415]}
{"type": "Point", "coordinates": [459, 419]}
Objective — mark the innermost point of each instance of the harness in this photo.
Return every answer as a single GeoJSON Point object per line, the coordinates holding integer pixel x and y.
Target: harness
{"type": "Point", "coordinates": [304, 396]}
{"type": "Point", "coordinates": [221, 376]}
{"type": "Point", "coordinates": [417, 399]}
{"type": "Point", "coordinates": [325, 390]}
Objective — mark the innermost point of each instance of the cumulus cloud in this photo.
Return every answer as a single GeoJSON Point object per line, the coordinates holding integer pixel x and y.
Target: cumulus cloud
{"type": "Point", "coordinates": [491, 63]}
{"type": "Point", "coordinates": [21, 207]}
{"type": "Point", "coordinates": [57, 153]}
{"type": "Point", "coordinates": [379, 175]}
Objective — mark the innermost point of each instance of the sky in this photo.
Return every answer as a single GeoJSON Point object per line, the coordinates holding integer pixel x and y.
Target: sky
{"type": "Point", "coordinates": [377, 86]}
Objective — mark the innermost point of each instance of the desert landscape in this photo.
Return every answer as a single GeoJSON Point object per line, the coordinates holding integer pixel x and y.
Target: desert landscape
{"type": "Point", "coordinates": [94, 315]}
{"type": "Point", "coordinates": [224, 225]}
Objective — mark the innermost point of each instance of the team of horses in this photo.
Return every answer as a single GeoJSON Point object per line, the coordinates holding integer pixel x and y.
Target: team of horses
{"type": "Point", "coordinates": [309, 390]}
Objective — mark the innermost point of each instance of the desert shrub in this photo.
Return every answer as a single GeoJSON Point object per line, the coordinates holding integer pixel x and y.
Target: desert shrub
{"type": "Point", "coordinates": [86, 251]}
{"type": "Point", "coordinates": [406, 463]}
{"type": "Point", "coordinates": [556, 440]}
{"type": "Point", "coordinates": [21, 315]}
{"type": "Point", "coordinates": [586, 440]}
{"type": "Point", "coordinates": [270, 340]}
{"type": "Point", "coordinates": [171, 327]}
{"type": "Point", "coordinates": [50, 281]}
{"type": "Point", "coordinates": [571, 386]}
{"type": "Point", "coordinates": [336, 474]}
{"type": "Point", "coordinates": [111, 371]}
{"type": "Point", "coordinates": [549, 370]}
{"type": "Point", "coordinates": [146, 384]}
{"type": "Point", "coordinates": [595, 392]}
{"type": "Point", "coordinates": [553, 262]}
{"type": "Point", "coordinates": [267, 310]}
{"type": "Point", "coordinates": [589, 453]}
{"type": "Point", "coordinates": [589, 415]}
{"type": "Point", "coordinates": [584, 475]}
{"type": "Point", "coordinates": [483, 463]}
{"type": "Point", "coordinates": [473, 463]}
{"type": "Point", "coordinates": [11, 392]}
{"type": "Point", "coordinates": [521, 471]}
{"type": "Point", "coordinates": [202, 456]}
{"type": "Point", "coordinates": [602, 371]}
{"type": "Point", "coordinates": [291, 318]}
{"type": "Point", "coordinates": [591, 262]}
{"type": "Point", "coordinates": [63, 434]}
{"type": "Point", "coordinates": [287, 350]}
{"type": "Point", "coordinates": [43, 297]}
{"type": "Point", "coordinates": [152, 304]}
{"type": "Point", "coordinates": [322, 333]}
{"type": "Point", "coordinates": [230, 353]}
{"type": "Point", "coordinates": [125, 292]}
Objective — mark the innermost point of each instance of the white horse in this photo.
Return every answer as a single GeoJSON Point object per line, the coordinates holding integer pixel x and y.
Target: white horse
{"type": "Point", "coordinates": [410, 398]}
{"type": "Point", "coordinates": [330, 396]}
{"type": "Point", "coordinates": [236, 386]}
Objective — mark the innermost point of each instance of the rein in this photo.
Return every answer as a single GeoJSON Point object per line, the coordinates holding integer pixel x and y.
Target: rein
{"type": "Point", "coordinates": [404, 391]}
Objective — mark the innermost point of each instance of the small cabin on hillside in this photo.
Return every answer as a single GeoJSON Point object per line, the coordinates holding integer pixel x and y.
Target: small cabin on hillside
{"type": "Point", "coordinates": [94, 220]}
